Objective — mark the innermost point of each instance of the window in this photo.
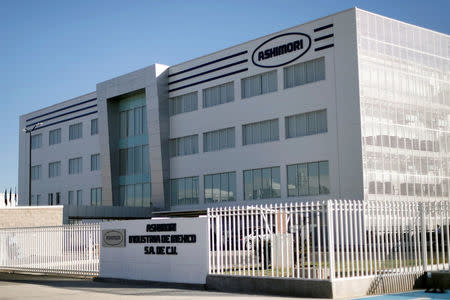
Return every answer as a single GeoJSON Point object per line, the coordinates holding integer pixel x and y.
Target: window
{"type": "Point", "coordinates": [95, 162]}
{"type": "Point", "coordinates": [218, 139]}
{"type": "Point", "coordinates": [54, 169]}
{"type": "Point", "coordinates": [36, 172]}
{"type": "Point", "coordinates": [183, 146]}
{"type": "Point", "coordinates": [96, 196]}
{"type": "Point", "coordinates": [259, 84]}
{"type": "Point", "coordinates": [135, 195]}
{"type": "Point", "coordinates": [184, 191]}
{"type": "Point", "coordinates": [220, 187]}
{"type": "Point", "coordinates": [58, 198]}
{"type": "Point", "coordinates": [134, 161]}
{"type": "Point", "coordinates": [308, 179]}
{"type": "Point", "coordinates": [50, 199]}
{"type": "Point", "coordinates": [79, 200]}
{"type": "Point", "coordinates": [54, 137]}
{"type": "Point", "coordinates": [262, 183]}
{"type": "Point", "coordinates": [94, 126]}
{"type": "Point", "coordinates": [70, 198]}
{"type": "Point", "coordinates": [183, 103]}
{"type": "Point", "coordinates": [36, 141]}
{"type": "Point", "coordinates": [75, 165]}
{"type": "Point", "coordinates": [260, 132]}
{"type": "Point", "coordinates": [303, 73]}
{"type": "Point", "coordinates": [133, 122]}
{"type": "Point", "coordinates": [36, 200]}
{"type": "Point", "coordinates": [76, 131]}
{"type": "Point", "coordinates": [306, 124]}
{"type": "Point", "coordinates": [220, 94]}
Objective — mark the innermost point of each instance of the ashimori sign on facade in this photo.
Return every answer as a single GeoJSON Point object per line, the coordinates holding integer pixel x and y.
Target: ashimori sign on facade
{"type": "Point", "coordinates": [167, 250]}
{"type": "Point", "coordinates": [281, 50]}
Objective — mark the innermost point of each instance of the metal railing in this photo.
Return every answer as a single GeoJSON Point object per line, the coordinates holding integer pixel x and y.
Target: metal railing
{"type": "Point", "coordinates": [68, 249]}
{"type": "Point", "coordinates": [329, 239]}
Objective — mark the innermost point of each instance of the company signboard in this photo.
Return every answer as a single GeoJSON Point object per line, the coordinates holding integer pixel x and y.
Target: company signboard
{"type": "Point", "coordinates": [281, 49]}
{"type": "Point", "coordinates": [165, 250]}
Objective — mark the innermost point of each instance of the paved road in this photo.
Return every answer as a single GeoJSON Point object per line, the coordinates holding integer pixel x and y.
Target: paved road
{"type": "Point", "coordinates": [17, 286]}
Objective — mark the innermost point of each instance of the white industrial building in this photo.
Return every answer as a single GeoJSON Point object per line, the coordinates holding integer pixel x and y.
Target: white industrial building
{"type": "Point", "coordinates": [350, 106]}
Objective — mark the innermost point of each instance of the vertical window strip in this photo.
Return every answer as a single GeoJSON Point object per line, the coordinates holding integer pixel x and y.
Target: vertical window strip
{"type": "Point", "coordinates": [79, 197]}
{"type": "Point", "coordinates": [94, 126]}
{"type": "Point", "coordinates": [135, 195]}
{"type": "Point", "coordinates": [95, 162]}
{"type": "Point", "coordinates": [309, 123]}
{"type": "Point", "coordinates": [70, 199]}
{"type": "Point", "coordinates": [305, 72]}
{"type": "Point", "coordinates": [133, 161]}
{"type": "Point", "coordinates": [132, 122]}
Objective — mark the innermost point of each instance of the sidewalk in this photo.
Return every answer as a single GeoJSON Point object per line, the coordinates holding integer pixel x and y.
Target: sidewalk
{"type": "Point", "coordinates": [20, 286]}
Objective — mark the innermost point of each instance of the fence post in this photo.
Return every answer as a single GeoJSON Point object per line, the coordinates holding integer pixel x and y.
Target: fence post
{"type": "Point", "coordinates": [208, 239]}
{"type": "Point", "coordinates": [423, 237]}
{"type": "Point", "coordinates": [329, 208]}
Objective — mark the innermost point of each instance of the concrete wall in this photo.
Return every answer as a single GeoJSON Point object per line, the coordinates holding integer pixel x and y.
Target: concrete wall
{"type": "Point", "coordinates": [35, 216]}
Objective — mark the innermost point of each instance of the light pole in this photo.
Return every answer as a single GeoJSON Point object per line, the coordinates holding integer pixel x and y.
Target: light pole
{"type": "Point", "coordinates": [29, 131]}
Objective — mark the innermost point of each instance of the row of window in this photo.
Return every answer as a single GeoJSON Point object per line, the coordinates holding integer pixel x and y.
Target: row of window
{"type": "Point", "coordinates": [74, 198]}
{"type": "Point", "coordinates": [295, 75]}
{"type": "Point", "coordinates": [75, 167]}
{"type": "Point", "coordinates": [254, 133]}
{"type": "Point", "coordinates": [54, 136]}
{"type": "Point", "coordinates": [306, 179]}
{"type": "Point", "coordinates": [440, 189]}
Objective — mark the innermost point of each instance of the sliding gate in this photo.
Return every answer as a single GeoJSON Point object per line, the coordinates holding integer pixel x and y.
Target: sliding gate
{"type": "Point", "coordinates": [68, 249]}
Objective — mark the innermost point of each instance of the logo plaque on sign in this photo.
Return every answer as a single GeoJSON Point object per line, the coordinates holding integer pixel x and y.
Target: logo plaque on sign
{"type": "Point", "coordinates": [112, 238]}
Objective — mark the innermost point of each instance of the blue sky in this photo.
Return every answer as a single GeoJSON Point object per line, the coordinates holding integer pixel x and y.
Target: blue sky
{"type": "Point", "coordinates": [52, 51]}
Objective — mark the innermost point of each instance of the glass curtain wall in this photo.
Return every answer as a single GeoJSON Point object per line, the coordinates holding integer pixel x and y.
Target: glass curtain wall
{"type": "Point", "coordinates": [134, 160]}
{"type": "Point", "coordinates": [404, 83]}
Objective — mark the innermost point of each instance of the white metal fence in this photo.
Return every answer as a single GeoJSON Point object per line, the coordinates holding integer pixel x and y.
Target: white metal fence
{"type": "Point", "coordinates": [68, 249]}
{"type": "Point", "coordinates": [329, 239]}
